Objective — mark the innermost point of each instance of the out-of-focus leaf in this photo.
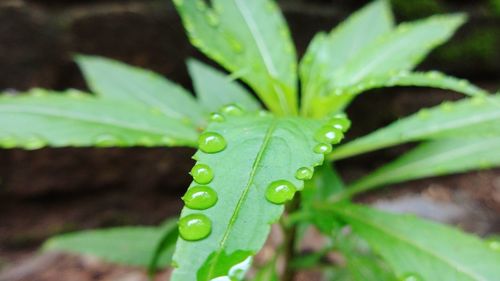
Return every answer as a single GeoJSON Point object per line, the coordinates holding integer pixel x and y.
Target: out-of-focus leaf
{"type": "Point", "coordinates": [215, 90]}
{"type": "Point", "coordinates": [251, 40]}
{"type": "Point", "coordinates": [165, 245]}
{"type": "Point", "coordinates": [44, 118]}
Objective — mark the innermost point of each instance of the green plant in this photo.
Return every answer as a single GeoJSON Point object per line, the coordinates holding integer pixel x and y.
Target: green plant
{"type": "Point", "coordinates": [251, 162]}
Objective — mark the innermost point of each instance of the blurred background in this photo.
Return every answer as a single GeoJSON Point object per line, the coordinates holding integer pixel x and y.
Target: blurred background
{"type": "Point", "coordinates": [53, 191]}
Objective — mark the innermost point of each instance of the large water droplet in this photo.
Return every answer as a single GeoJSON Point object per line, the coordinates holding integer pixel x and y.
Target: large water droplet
{"type": "Point", "coordinates": [232, 109]}
{"type": "Point", "coordinates": [329, 134]}
{"type": "Point", "coordinates": [210, 142]}
{"type": "Point", "coordinates": [280, 191]}
{"type": "Point", "coordinates": [217, 117]}
{"type": "Point", "coordinates": [323, 148]}
{"type": "Point", "coordinates": [200, 197]}
{"type": "Point", "coordinates": [340, 122]}
{"type": "Point", "coordinates": [304, 173]}
{"type": "Point", "coordinates": [410, 277]}
{"type": "Point", "coordinates": [194, 227]}
{"type": "Point", "coordinates": [202, 174]}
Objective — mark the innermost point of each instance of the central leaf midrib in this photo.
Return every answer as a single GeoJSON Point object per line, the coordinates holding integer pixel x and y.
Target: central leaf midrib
{"type": "Point", "coordinates": [257, 160]}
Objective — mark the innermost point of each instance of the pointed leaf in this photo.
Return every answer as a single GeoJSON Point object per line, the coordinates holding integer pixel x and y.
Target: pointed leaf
{"type": "Point", "coordinates": [472, 117]}
{"type": "Point", "coordinates": [116, 80]}
{"type": "Point", "coordinates": [122, 245]}
{"type": "Point", "coordinates": [215, 90]}
{"type": "Point", "coordinates": [260, 150]}
{"type": "Point", "coordinates": [45, 118]}
{"type": "Point", "coordinates": [251, 40]}
{"type": "Point", "coordinates": [435, 158]}
{"type": "Point", "coordinates": [413, 246]}
{"type": "Point", "coordinates": [329, 52]}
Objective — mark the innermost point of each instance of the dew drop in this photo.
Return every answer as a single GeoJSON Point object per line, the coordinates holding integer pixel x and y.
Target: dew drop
{"type": "Point", "coordinates": [232, 109]}
{"type": "Point", "coordinates": [323, 148]}
{"type": "Point", "coordinates": [8, 142]}
{"type": "Point", "coordinates": [34, 143]}
{"type": "Point", "coordinates": [202, 174]}
{"type": "Point", "coordinates": [200, 197]}
{"type": "Point", "coordinates": [410, 277]}
{"type": "Point", "coordinates": [194, 227]}
{"type": "Point", "coordinates": [210, 142]}
{"type": "Point", "coordinates": [146, 141]}
{"type": "Point", "coordinates": [280, 191]}
{"type": "Point", "coordinates": [304, 173]}
{"type": "Point", "coordinates": [340, 122]}
{"type": "Point", "coordinates": [217, 117]}
{"type": "Point", "coordinates": [105, 141]}
{"type": "Point", "coordinates": [329, 134]}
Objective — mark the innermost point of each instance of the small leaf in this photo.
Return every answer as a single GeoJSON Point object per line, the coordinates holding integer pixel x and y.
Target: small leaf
{"type": "Point", "coordinates": [329, 52]}
{"type": "Point", "coordinates": [412, 246]}
{"type": "Point", "coordinates": [260, 151]}
{"type": "Point", "coordinates": [251, 40]}
{"type": "Point", "coordinates": [215, 90]}
{"type": "Point", "coordinates": [122, 245]}
{"type": "Point", "coordinates": [472, 117]}
{"type": "Point", "coordinates": [435, 158]}
{"type": "Point", "coordinates": [45, 118]}
{"type": "Point", "coordinates": [113, 79]}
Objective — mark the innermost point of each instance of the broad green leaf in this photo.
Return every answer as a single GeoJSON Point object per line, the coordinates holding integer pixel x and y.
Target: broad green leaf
{"type": "Point", "coordinates": [113, 79]}
{"type": "Point", "coordinates": [435, 158]}
{"type": "Point", "coordinates": [123, 245]}
{"type": "Point", "coordinates": [251, 40]}
{"type": "Point", "coordinates": [412, 246]}
{"type": "Point", "coordinates": [329, 52]}
{"type": "Point", "coordinates": [215, 90]}
{"type": "Point", "coordinates": [45, 118]}
{"type": "Point", "coordinates": [260, 150]}
{"type": "Point", "coordinates": [472, 117]}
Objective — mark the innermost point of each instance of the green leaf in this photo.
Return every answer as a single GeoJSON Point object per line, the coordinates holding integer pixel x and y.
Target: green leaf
{"type": "Point", "coordinates": [165, 246]}
{"type": "Point", "coordinates": [472, 117]}
{"type": "Point", "coordinates": [122, 245]}
{"type": "Point", "coordinates": [260, 150]}
{"type": "Point", "coordinates": [45, 118]}
{"type": "Point", "coordinates": [268, 272]}
{"type": "Point", "coordinates": [327, 53]}
{"type": "Point", "coordinates": [215, 90]}
{"type": "Point", "coordinates": [112, 79]}
{"type": "Point", "coordinates": [435, 158]}
{"type": "Point", "coordinates": [251, 40]}
{"type": "Point", "coordinates": [412, 246]}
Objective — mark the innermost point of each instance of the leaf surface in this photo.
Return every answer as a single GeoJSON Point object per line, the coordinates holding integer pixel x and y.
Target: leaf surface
{"type": "Point", "coordinates": [260, 150]}
{"type": "Point", "coordinates": [412, 246]}
{"type": "Point", "coordinates": [215, 89]}
{"type": "Point", "coordinates": [471, 117]}
{"type": "Point", "coordinates": [122, 245]}
{"type": "Point", "coordinates": [116, 80]}
{"type": "Point", "coordinates": [45, 118]}
{"type": "Point", "coordinates": [251, 40]}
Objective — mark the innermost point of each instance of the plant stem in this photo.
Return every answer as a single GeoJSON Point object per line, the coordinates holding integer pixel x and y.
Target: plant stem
{"type": "Point", "coordinates": [290, 235]}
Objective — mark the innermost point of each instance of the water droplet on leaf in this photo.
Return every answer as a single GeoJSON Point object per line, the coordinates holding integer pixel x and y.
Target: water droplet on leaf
{"type": "Point", "coordinates": [341, 123]}
{"type": "Point", "coordinates": [212, 19]}
{"type": "Point", "coordinates": [194, 227]}
{"type": "Point", "coordinates": [323, 148]}
{"type": "Point", "coordinates": [232, 109]}
{"type": "Point", "coordinates": [304, 173]}
{"type": "Point", "coordinates": [200, 197]}
{"type": "Point", "coordinates": [34, 143]}
{"type": "Point", "coordinates": [210, 142]}
{"type": "Point", "coordinates": [280, 191]}
{"type": "Point", "coordinates": [106, 141]}
{"type": "Point", "coordinates": [410, 277]}
{"type": "Point", "coordinates": [329, 134]}
{"type": "Point", "coordinates": [217, 117]}
{"type": "Point", "coordinates": [202, 174]}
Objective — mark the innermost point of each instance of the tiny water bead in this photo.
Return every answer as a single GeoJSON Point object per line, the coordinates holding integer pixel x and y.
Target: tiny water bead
{"type": "Point", "coordinates": [202, 174]}
{"type": "Point", "coordinates": [194, 227]}
{"type": "Point", "coordinates": [280, 191]}
{"type": "Point", "coordinates": [200, 197]}
{"type": "Point", "coordinates": [323, 148]}
{"type": "Point", "coordinates": [410, 277]}
{"type": "Point", "coordinates": [217, 117]}
{"type": "Point", "coordinates": [304, 173]}
{"type": "Point", "coordinates": [340, 122]}
{"type": "Point", "coordinates": [232, 109]}
{"type": "Point", "coordinates": [210, 142]}
{"type": "Point", "coordinates": [329, 134]}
